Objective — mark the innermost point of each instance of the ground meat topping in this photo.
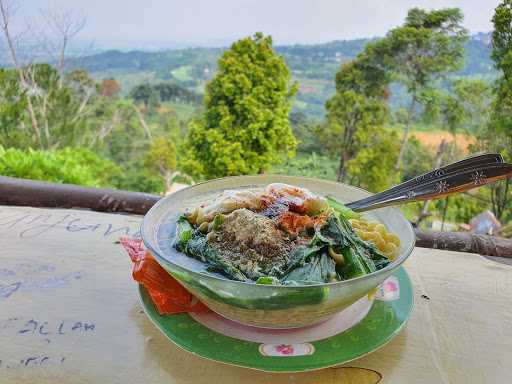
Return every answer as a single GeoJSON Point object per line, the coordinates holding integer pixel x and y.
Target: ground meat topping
{"type": "Point", "coordinates": [294, 223]}
{"type": "Point", "coordinates": [251, 242]}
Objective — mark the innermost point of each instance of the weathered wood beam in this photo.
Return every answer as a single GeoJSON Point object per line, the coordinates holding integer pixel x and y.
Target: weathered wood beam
{"type": "Point", "coordinates": [52, 195]}
{"type": "Point", "coordinates": [465, 242]}
{"type": "Point", "coordinates": [33, 193]}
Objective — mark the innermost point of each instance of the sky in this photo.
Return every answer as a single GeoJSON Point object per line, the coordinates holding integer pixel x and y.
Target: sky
{"type": "Point", "coordinates": [215, 22]}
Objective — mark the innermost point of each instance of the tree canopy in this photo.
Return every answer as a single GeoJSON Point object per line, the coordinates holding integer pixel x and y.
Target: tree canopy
{"type": "Point", "coordinates": [354, 130]}
{"type": "Point", "coordinates": [426, 46]}
{"type": "Point", "coordinates": [161, 158]}
{"type": "Point", "coordinates": [502, 38]}
{"type": "Point", "coordinates": [498, 134]}
{"type": "Point", "coordinates": [245, 128]}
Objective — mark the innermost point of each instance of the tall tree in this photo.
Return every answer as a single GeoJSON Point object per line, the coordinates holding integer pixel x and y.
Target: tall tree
{"type": "Point", "coordinates": [13, 103]}
{"type": "Point", "coordinates": [6, 12]}
{"type": "Point", "coordinates": [354, 131]}
{"type": "Point", "coordinates": [245, 128]}
{"type": "Point", "coordinates": [498, 134]}
{"type": "Point", "coordinates": [49, 98]}
{"type": "Point", "coordinates": [502, 38]}
{"type": "Point", "coordinates": [426, 46]}
{"type": "Point", "coordinates": [350, 110]}
{"type": "Point", "coordinates": [60, 27]}
{"type": "Point", "coordinates": [475, 97]}
{"type": "Point", "coordinates": [65, 112]}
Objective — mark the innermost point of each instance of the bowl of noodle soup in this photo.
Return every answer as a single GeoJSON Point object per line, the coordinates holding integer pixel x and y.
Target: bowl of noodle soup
{"type": "Point", "coordinates": [274, 306]}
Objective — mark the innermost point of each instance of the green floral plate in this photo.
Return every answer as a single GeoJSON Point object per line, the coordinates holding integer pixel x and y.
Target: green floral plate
{"type": "Point", "coordinates": [386, 317]}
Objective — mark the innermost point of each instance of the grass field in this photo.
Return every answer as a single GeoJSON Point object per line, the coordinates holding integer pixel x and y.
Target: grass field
{"type": "Point", "coordinates": [433, 139]}
{"type": "Point", "coordinates": [431, 136]}
{"type": "Point", "coordinates": [182, 73]}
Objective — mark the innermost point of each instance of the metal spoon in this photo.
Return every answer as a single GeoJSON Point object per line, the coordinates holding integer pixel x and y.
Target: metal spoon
{"type": "Point", "coordinates": [454, 178]}
{"type": "Point", "coordinates": [473, 161]}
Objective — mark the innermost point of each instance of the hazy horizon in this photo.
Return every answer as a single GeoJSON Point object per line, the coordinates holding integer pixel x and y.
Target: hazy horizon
{"type": "Point", "coordinates": [169, 24]}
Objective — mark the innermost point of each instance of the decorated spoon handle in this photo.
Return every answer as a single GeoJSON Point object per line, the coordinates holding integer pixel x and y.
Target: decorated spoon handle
{"type": "Point", "coordinates": [440, 186]}
{"type": "Point", "coordinates": [459, 166]}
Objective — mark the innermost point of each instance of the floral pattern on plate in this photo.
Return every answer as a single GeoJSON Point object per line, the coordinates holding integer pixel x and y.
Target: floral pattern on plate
{"type": "Point", "coordinates": [285, 350]}
{"type": "Point", "coordinates": [389, 290]}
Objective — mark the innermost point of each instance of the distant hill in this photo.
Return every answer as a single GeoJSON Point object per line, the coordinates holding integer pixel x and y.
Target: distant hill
{"type": "Point", "coordinates": [313, 67]}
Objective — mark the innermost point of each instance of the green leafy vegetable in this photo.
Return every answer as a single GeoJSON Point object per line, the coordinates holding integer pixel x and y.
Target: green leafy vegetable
{"type": "Point", "coordinates": [194, 243]}
{"type": "Point", "coordinates": [334, 253]}
{"type": "Point", "coordinates": [353, 267]}
{"type": "Point", "coordinates": [183, 233]}
{"type": "Point", "coordinates": [298, 257]}
{"type": "Point", "coordinates": [341, 209]}
{"type": "Point", "coordinates": [320, 269]}
{"type": "Point", "coordinates": [267, 280]}
{"type": "Point", "coordinates": [360, 257]}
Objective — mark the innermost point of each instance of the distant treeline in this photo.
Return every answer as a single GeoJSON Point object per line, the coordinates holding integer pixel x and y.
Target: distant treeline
{"type": "Point", "coordinates": [313, 66]}
{"type": "Point", "coordinates": [311, 59]}
{"type": "Point", "coordinates": [161, 92]}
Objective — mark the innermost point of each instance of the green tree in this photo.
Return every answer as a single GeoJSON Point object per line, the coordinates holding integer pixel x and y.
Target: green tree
{"type": "Point", "coordinates": [502, 38]}
{"type": "Point", "coordinates": [348, 113]}
{"type": "Point", "coordinates": [65, 112]}
{"type": "Point", "coordinates": [371, 168]}
{"type": "Point", "coordinates": [304, 132]}
{"type": "Point", "coordinates": [447, 109]}
{"type": "Point", "coordinates": [462, 107]}
{"type": "Point", "coordinates": [497, 135]}
{"type": "Point", "coordinates": [354, 131]}
{"type": "Point", "coordinates": [161, 158]}
{"type": "Point", "coordinates": [136, 177]}
{"type": "Point", "coordinates": [13, 104]}
{"type": "Point", "coordinates": [122, 137]}
{"type": "Point", "coordinates": [245, 128]}
{"type": "Point", "coordinates": [146, 94]}
{"type": "Point", "coordinates": [475, 97]}
{"type": "Point", "coordinates": [418, 159]}
{"type": "Point", "coordinates": [65, 108]}
{"type": "Point", "coordinates": [427, 45]}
